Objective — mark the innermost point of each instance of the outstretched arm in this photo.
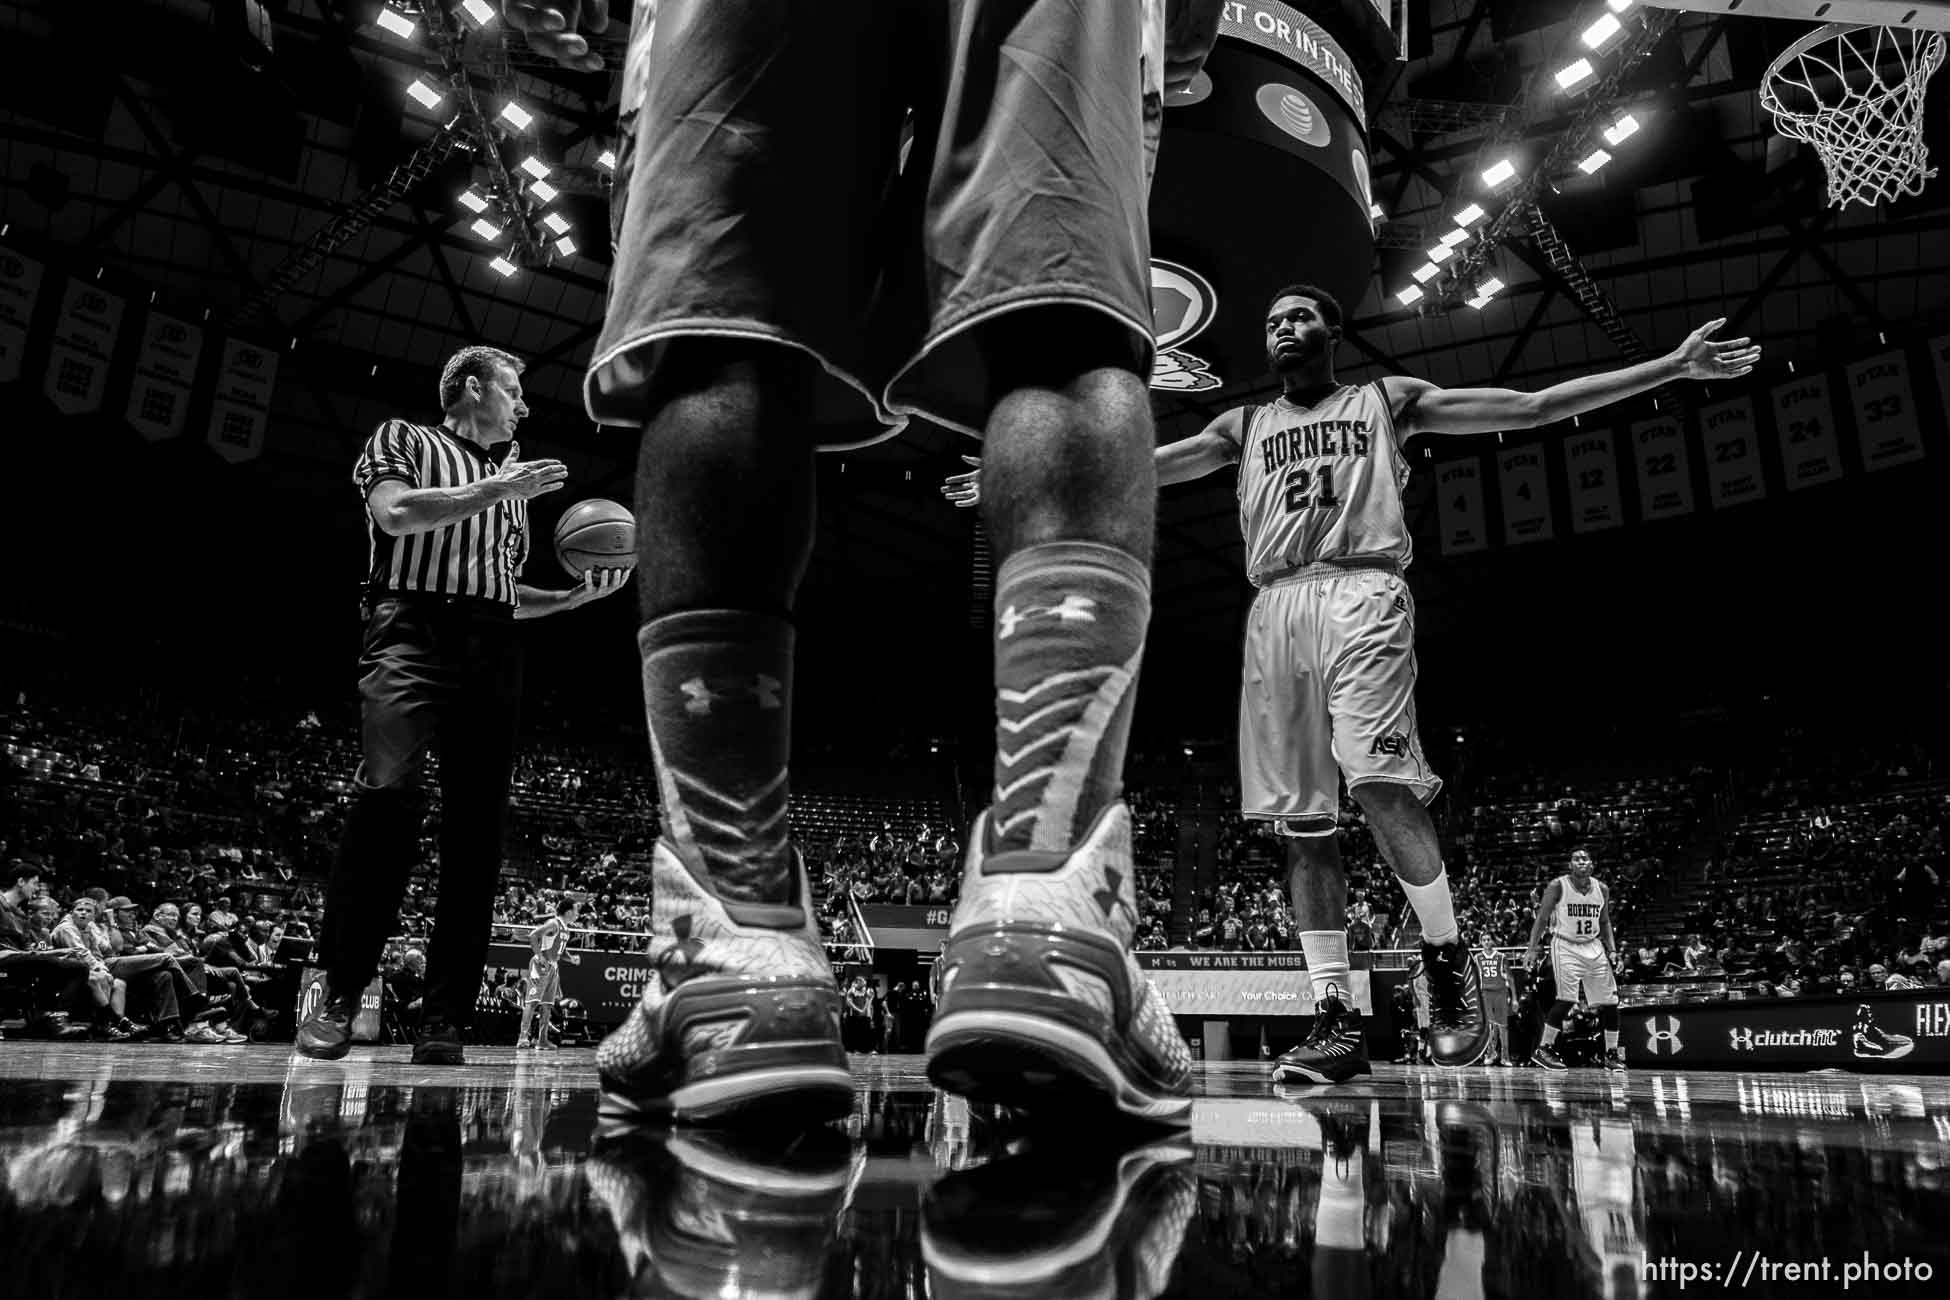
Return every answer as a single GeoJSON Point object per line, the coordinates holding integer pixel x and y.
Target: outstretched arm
{"type": "Point", "coordinates": [1422, 407]}
{"type": "Point", "coordinates": [1207, 451]}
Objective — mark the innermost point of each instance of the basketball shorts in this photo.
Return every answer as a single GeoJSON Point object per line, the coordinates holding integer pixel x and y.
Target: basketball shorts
{"type": "Point", "coordinates": [1496, 999]}
{"type": "Point", "coordinates": [1576, 966]}
{"type": "Point", "coordinates": [1328, 690]}
{"type": "Point", "coordinates": [872, 183]}
{"type": "Point", "coordinates": [544, 983]}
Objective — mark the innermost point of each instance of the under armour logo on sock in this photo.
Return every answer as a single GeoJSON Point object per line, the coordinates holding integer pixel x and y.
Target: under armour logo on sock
{"type": "Point", "coordinates": [763, 691]}
{"type": "Point", "coordinates": [1071, 609]}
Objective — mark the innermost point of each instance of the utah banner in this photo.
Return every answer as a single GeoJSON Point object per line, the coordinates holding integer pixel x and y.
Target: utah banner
{"type": "Point", "coordinates": [1804, 419]}
{"type": "Point", "coordinates": [1459, 506]}
{"type": "Point", "coordinates": [20, 288]}
{"type": "Point", "coordinates": [1732, 453]}
{"type": "Point", "coordinates": [159, 399]}
{"type": "Point", "coordinates": [242, 407]}
{"type": "Point", "coordinates": [1665, 473]}
{"type": "Point", "coordinates": [1592, 469]}
{"type": "Point", "coordinates": [1885, 411]}
{"type": "Point", "coordinates": [84, 344]}
{"type": "Point", "coordinates": [1526, 495]}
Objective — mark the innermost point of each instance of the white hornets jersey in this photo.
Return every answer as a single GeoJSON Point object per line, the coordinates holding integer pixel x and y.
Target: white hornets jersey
{"type": "Point", "coordinates": [1577, 915]}
{"type": "Point", "coordinates": [1322, 483]}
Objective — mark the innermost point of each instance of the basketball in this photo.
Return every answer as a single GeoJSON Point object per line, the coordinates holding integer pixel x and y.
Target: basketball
{"type": "Point", "coordinates": [595, 534]}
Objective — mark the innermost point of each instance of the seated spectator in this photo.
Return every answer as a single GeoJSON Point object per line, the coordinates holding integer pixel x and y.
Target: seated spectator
{"type": "Point", "coordinates": [147, 981]}
{"type": "Point", "coordinates": [75, 980]}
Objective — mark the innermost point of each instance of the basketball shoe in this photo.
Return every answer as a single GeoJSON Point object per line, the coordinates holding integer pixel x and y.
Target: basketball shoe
{"type": "Point", "coordinates": [1051, 1219]}
{"type": "Point", "coordinates": [1615, 1060]}
{"type": "Point", "coordinates": [1546, 1058]}
{"type": "Point", "coordinates": [1873, 1043]}
{"type": "Point", "coordinates": [739, 1018]}
{"type": "Point", "coordinates": [1334, 1051]}
{"type": "Point", "coordinates": [1038, 998]}
{"type": "Point", "coordinates": [1459, 1030]}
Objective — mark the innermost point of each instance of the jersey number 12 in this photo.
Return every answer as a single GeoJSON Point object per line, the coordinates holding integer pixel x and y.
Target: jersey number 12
{"type": "Point", "coordinates": [1306, 489]}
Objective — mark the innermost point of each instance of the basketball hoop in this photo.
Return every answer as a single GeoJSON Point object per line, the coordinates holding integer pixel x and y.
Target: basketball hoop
{"type": "Point", "coordinates": [1856, 94]}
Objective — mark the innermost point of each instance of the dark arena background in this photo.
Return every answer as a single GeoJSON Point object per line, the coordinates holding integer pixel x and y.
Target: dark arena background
{"type": "Point", "coordinates": [1699, 634]}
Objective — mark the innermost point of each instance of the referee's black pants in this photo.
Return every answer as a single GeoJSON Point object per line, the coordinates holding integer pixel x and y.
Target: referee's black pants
{"type": "Point", "coordinates": [433, 670]}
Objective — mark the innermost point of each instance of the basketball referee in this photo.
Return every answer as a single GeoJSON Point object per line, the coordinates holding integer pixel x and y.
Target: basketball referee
{"type": "Point", "coordinates": [441, 662]}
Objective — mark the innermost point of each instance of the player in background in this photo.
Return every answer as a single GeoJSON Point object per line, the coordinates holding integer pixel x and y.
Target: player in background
{"type": "Point", "coordinates": [542, 988]}
{"type": "Point", "coordinates": [1496, 1000]}
{"type": "Point", "coordinates": [1328, 689]}
{"type": "Point", "coordinates": [1576, 912]}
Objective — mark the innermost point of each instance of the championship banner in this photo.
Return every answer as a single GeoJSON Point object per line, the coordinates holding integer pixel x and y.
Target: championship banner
{"type": "Point", "coordinates": [901, 928]}
{"type": "Point", "coordinates": [1526, 495]}
{"type": "Point", "coordinates": [84, 344]}
{"type": "Point", "coordinates": [1593, 473]}
{"type": "Point", "coordinates": [242, 407]}
{"type": "Point", "coordinates": [1216, 984]}
{"type": "Point", "coordinates": [165, 369]}
{"type": "Point", "coordinates": [1885, 411]}
{"type": "Point", "coordinates": [1804, 417]}
{"type": "Point", "coordinates": [1939, 353]}
{"type": "Point", "coordinates": [1459, 506]}
{"type": "Point", "coordinates": [20, 288]}
{"type": "Point", "coordinates": [1665, 474]}
{"type": "Point", "coordinates": [1732, 453]}
{"type": "Point", "coordinates": [1901, 1033]}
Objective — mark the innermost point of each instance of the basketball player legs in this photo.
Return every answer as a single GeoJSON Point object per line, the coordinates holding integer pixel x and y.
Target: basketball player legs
{"type": "Point", "coordinates": [1335, 1049]}
{"type": "Point", "coordinates": [742, 1013]}
{"type": "Point", "coordinates": [1041, 1000]}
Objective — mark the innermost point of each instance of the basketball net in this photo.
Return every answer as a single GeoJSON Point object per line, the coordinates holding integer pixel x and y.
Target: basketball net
{"type": "Point", "coordinates": [1856, 95]}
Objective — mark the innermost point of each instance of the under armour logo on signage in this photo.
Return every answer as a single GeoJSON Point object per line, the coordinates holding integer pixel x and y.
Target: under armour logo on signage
{"type": "Point", "coordinates": [1662, 1036]}
{"type": "Point", "coordinates": [1071, 609]}
{"type": "Point", "coordinates": [764, 691]}
{"type": "Point", "coordinates": [1740, 1040]}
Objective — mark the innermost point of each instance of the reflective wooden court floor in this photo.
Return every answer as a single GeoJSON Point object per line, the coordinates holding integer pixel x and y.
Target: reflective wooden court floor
{"type": "Point", "coordinates": [152, 1171]}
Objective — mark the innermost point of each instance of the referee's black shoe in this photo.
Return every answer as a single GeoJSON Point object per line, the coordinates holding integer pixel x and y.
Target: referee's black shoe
{"type": "Point", "coordinates": [327, 1035]}
{"type": "Point", "coordinates": [439, 1044]}
{"type": "Point", "coordinates": [1459, 1030]}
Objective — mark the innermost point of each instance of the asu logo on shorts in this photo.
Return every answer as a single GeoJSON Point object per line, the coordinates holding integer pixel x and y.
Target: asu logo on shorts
{"type": "Point", "coordinates": [1394, 744]}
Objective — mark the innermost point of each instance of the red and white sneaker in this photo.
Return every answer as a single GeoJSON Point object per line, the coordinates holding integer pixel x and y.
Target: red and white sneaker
{"type": "Point", "coordinates": [740, 1017]}
{"type": "Point", "coordinates": [1039, 1002]}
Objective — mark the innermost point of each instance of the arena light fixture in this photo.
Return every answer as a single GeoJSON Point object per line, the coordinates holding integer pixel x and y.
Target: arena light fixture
{"type": "Point", "coordinates": [535, 167]}
{"type": "Point", "coordinates": [1425, 272]}
{"type": "Point", "coordinates": [1501, 173]}
{"type": "Point", "coordinates": [1470, 215]}
{"type": "Point", "coordinates": [607, 160]}
{"type": "Point", "coordinates": [480, 12]}
{"type": "Point", "coordinates": [1489, 288]}
{"type": "Point", "coordinates": [1601, 31]}
{"type": "Point", "coordinates": [1450, 238]}
{"type": "Point", "coordinates": [544, 191]}
{"type": "Point", "coordinates": [1619, 6]}
{"type": "Point", "coordinates": [392, 20]}
{"type": "Point", "coordinates": [566, 246]}
{"type": "Point", "coordinates": [1576, 74]}
{"type": "Point", "coordinates": [1409, 296]}
{"type": "Point", "coordinates": [557, 223]}
{"type": "Point", "coordinates": [1593, 161]}
{"type": "Point", "coordinates": [470, 198]}
{"type": "Point", "coordinates": [485, 229]}
{"type": "Point", "coordinates": [1621, 130]}
{"type": "Point", "coordinates": [516, 116]}
{"type": "Point", "coordinates": [424, 93]}
{"type": "Point", "coordinates": [502, 267]}
{"type": "Point", "coordinates": [1441, 253]}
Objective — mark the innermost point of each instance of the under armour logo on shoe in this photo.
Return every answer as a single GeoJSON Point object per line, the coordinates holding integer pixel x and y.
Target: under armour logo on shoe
{"type": "Point", "coordinates": [1112, 893]}
{"type": "Point", "coordinates": [1071, 609]}
{"type": "Point", "coordinates": [764, 691]}
{"type": "Point", "coordinates": [679, 962]}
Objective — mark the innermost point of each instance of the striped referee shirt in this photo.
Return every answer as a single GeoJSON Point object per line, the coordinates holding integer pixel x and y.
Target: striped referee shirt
{"type": "Point", "coordinates": [479, 556]}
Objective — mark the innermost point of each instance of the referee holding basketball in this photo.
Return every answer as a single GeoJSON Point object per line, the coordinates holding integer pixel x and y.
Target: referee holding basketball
{"type": "Point", "coordinates": [448, 522]}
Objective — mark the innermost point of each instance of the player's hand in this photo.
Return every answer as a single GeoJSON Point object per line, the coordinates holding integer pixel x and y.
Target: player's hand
{"type": "Point", "coordinates": [524, 480]}
{"type": "Point", "coordinates": [1191, 30]}
{"type": "Point", "coordinates": [1530, 957]}
{"type": "Point", "coordinates": [550, 26]}
{"type": "Point", "coordinates": [1705, 357]}
{"type": "Point", "coordinates": [597, 583]}
{"type": "Point", "coordinates": [965, 490]}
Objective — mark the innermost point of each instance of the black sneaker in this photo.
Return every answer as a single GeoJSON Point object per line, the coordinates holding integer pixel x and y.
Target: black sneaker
{"type": "Point", "coordinates": [1872, 1043]}
{"type": "Point", "coordinates": [1334, 1052]}
{"type": "Point", "coordinates": [327, 1036]}
{"type": "Point", "coordinates": [1459, 1031]}
{"type": "Point", "coordinates": [439, 1045]}
{"type": "Point", "coordinates": [1545, 1059]}
{"type": "Point", "coordinates": [1615, 1060]}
